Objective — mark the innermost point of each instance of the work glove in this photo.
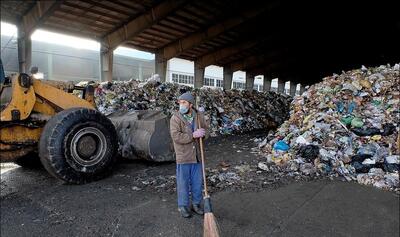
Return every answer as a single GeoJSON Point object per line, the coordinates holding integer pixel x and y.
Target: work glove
{"type": "Point", "coordinates": [199, 133]}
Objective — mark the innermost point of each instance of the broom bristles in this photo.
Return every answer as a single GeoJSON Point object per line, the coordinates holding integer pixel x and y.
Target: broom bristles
{"type": "Point", "coordinates": [210, 225]}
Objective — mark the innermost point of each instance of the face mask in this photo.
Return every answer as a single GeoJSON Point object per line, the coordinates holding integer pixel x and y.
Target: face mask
{"type": "Point", "coordinates": [183, 109]}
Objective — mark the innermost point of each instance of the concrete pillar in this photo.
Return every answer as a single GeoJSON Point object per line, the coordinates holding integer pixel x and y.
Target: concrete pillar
{"type": "Point", "coordinates": [50, 66]}
{"type": "Point", "coordinates": [281, 85]}
{"type": "Point", "coordinates": [228, 75]}
{"type": "Point", "coordinates": [198, 75]}
{"type": "Point", "coordinates": [140, 71]}
{"type": "Point", "coordinates": [266, 83]}
{"type": "Point", "coordinates": [249, 81]}
{"type": "Point", "coordinates": [24, 51]}
{"type": "Point", "coordinates": [302, 89]}
{"type": "Point", "coordinates": [106, 63]}
{"type": "Point", "coordinates": [161, 67]}
{"type": "Point", "coordinates": [292, 88]}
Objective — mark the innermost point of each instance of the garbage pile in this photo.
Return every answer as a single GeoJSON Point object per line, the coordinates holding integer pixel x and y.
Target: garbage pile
{"type": "Point", "coordinates": [229, 112]}
{"type": "Point", "coordinates": [242, 111]}
{"type": "Point", "coordinates": [346, 126]}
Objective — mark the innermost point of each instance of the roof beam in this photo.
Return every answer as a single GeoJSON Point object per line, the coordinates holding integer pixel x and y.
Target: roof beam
{"type": "Point", "coordinates": [141, 23]}
{"type": "Point", "coordinates": [109, 8]}
{"type": "Point", "coordinates": [60, 28]}
{"type": "Point", "coordinates": [189, 42]}
{"type": "Point", "coordinates": [130, 4]}
{"type": "Point", "coordinates": [98, 13]}
{"type": "Point", "coordinates": [38, 14]}
{"type": "Point", "coordinates": [8, 17]}
{"type": "Point", "coordinates": [86, 17]}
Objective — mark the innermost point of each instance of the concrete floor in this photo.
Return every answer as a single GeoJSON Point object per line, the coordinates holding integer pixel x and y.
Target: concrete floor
{"type": "Point", "coordinates": [35, 204]}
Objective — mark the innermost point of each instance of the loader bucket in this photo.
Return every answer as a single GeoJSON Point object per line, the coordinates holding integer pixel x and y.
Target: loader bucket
{"type": "Point", "coordinates": [143, 134]}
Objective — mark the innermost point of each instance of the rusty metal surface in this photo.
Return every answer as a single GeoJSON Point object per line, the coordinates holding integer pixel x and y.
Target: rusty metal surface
{"type": "Point", "coordinates": [19, 138]}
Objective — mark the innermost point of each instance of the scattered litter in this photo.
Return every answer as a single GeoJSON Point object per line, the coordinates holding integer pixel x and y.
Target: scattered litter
{"type": "Point", "coordinates": [243, 168]}
{"type": "Point", "coordinates": [263, 166]}
{"type": "Point", "coordinates": [134, 188]}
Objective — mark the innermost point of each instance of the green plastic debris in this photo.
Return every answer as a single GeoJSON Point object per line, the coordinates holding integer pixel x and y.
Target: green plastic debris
{"type": "Point", "coordinates": [357, 123]}
{"type": "Point", "coordinates": [347, 120]}
{"type": "Point", "coordinates": [376, 102]}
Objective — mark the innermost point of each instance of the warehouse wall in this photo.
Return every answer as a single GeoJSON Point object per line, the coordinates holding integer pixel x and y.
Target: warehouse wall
{"type": "Point", "coordinates": [59, 62]}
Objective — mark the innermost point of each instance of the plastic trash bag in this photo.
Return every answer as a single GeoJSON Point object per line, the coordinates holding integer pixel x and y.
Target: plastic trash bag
{"type": "Point", "coordinates": [388, 129]}
{"type": "Point", "coordinates": [309, 152]}
{"type": "Point", "coordinates": [366, 131]}
{"type": "Point", "coordinates": [281, 146]}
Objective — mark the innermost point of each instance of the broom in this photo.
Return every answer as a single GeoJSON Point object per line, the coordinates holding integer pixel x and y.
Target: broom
{"type": "Point", "coordinates": [210, 223]}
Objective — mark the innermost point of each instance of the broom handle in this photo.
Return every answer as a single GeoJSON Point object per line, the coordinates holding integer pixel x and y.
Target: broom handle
{"type": "Point", "coordinates": [202, 158]}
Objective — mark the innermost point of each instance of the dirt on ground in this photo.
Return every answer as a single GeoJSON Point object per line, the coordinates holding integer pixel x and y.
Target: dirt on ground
{"type": "Point", "coordinates": [139, 199]}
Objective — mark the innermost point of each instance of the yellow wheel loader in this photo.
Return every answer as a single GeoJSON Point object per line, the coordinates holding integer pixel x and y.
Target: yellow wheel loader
{"type": "Point", "coordinates": [74, 141]}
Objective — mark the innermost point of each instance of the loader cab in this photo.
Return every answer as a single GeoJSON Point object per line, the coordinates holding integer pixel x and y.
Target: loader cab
{"type": "Point", "coordinates": [2, 75]}
{"type": "Point", "coordinates": [5, 88]}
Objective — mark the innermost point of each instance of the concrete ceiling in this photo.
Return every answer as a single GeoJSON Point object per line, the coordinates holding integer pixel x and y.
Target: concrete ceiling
{"type": "Point", "coordinates": [296, 40]}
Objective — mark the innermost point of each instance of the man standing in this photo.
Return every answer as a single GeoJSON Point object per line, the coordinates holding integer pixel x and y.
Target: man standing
{"type": "Point", "coordinates": [185, 136]}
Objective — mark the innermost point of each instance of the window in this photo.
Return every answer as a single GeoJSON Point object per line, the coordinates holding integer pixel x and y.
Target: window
{"type": "Point", "coordinates": [208, 81]}
{"type": "Point", "coordinates": [182, 79]}
{"type": "Point", "coordinates": [239, 85]}
{"type": "Point", "coordinates": [175, 77]}
{"type": "Point", "coordinates": [258, 87]}
{"type": "Point", "coordinates": [219, 83]}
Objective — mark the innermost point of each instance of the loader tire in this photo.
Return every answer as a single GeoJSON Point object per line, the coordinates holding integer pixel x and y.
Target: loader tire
{"type": "Point", "coordinates": [78, 145]}
{"type": "Point", "coordinates": [30, 161]}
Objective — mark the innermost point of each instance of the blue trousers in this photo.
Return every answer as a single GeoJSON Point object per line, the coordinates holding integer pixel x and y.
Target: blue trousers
{"type": "Point", "coordinates": [189, 180]}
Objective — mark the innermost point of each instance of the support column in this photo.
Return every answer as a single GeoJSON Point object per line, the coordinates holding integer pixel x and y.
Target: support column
{"type": "Point", "coordinates": [198, 75]}
{"type": "Point", "coordinates": [24, 50]}
{"type": "Point", "coordinates": [106, 63]}
{"type": "Point", "coordinates": [50, 66]}
{"type": "Point", "coordinates": [266, 83]}
{"type": "Point", "coordinates": [302, 89]}
{"type": "Point", "coordinates": [228, 75]}
{"type": "Point", "coordinates": [292, 88]}
{"type": "Point", "coordinates": [249, 81]}
{"type": "Point", "coordinates": [161, 67]}
{"type": "Point", "coordinates": [281, 85]}
{"type": "Point", "coordinates": [140, 72]}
